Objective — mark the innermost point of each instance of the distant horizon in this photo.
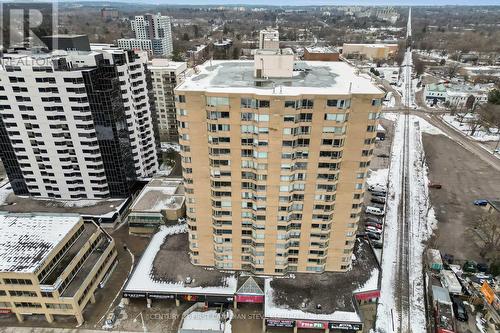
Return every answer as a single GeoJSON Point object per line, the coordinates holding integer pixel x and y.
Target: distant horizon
{"type": "Point", "coordinates": [301, 3]}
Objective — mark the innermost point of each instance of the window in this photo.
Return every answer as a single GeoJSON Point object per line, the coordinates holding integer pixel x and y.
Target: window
{"type": "Point", "coordinates": [338, 130]}
{"type": "Point", "coordinates": [264, 104]}
{"type": "Point", "coordinates": [307, 103]}
{"type": "Point", "coordinates": [217, 101]}
{"type": "Point", "coordinates": [340, 117]}
{"type": "Point", "coordinates": [339, 103]}
{"type": "Point", "coordinates": [248, 103]}
{"type": "Point", "coordinates": [181, 98]}
{"type": "Point", "coordinates": [376, 102]}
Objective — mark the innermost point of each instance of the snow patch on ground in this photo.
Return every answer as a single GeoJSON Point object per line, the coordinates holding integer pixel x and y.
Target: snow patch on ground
{"type": "Point", "coordinates": [142, 278]}
{"type": "Point", "coordinates": [422, 222]}
{"type": "Point", "coordinates": [272, 310]}
{"type": "Point", "coordinates": [5, 191]}
{"type": "Point", "coordinates": [371, 283]}
{"type": "Point", "coordinates": [426, 127]}
{"type": "Point", "coordinates": [390, 116]}
{"type": "Point", "coordinates": [387, 301]}
{"type": "Point", "coordinates": [378, 177]}
{"type": "Point", "coordinates": [208, 320]}
{"type": "Point", "coordinates": [165, 146]}
{"type": "Point", "coordinates": [464, 126]}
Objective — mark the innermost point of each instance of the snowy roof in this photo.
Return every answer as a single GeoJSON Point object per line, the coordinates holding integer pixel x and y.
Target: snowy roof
{"type": "Point", "coordinates": [27, 239]}
{"type": "Point", "coordinates": [165, 265]}
{"type": "Point", "coordinates": [86, 207]}
{"type": "Point", "coordinates": [321, 49]}
{"type": "Point", "coordinates": [159, 195]}
{"type": "Point", "coordinates": [315, 77]}
{"type": "Point", "coordinates": [298, 297]}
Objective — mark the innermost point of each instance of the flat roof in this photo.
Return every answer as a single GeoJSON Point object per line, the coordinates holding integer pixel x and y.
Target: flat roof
{"type": "Point", "coordinates": [165, 265]}
{"type": "Point", "coordinates": [309, 77]}
{"type": "Point", "coordinates": [372, 45]}
{"type": "Point", "coordinates": [321, 49]}
{"type": "Point", "coordinates": [88, 207]}
{"type": "Point", "coordinates": [165, 64]}
{"type": "Point", "coordinates": [159, 195]}
{"type": "Point", "coordinates": [26, 240]}
{"type": "Point", "coordinates": [298, 297]}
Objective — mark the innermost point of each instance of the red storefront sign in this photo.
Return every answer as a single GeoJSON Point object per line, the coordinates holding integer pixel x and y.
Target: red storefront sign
{"type": "Point", "coordinates": [311, 324]}
{"type": "Point", "coordinates": [4, 311]}
{"type": "Point", "coordinates": [250, 298]}
{"type": "Point", "coordinates": [367, 295]}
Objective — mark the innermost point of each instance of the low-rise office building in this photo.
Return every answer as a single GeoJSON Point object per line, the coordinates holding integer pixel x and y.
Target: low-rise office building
{"type": "Point", "coordinates": [51, 264]}
{"type": "Point", "coordinates": [369, 51]}
{"type": "Point", "coordinates": [321, 54]}
{"type": "Point", "coordinates": [160, 201]}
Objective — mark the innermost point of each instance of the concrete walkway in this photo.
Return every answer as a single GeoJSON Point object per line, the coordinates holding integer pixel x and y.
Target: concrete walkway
{"type": "Point", "coordinates": [52, 330]}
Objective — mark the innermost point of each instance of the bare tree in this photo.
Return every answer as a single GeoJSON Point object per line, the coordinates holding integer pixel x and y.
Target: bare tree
{"type": "Point", "coordinates": [488, 229]}
{"type": "Point", "coordinates": [452, 70]}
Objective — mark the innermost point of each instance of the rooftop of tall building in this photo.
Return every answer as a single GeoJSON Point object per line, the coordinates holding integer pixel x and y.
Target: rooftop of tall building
{"type": "Point", "coordinates": [308, 77]}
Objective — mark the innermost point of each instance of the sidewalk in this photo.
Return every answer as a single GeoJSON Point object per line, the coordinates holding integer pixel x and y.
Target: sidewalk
{"type": "Point", "coordinates": [51, 330]}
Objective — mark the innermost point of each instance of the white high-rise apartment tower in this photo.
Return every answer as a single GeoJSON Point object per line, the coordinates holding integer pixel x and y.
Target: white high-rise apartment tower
{"type": "Point", "coordinates": [76, 124]}
{"type": "Point", "coordinates": [269, 39]}
{"type": "Point", "coordinates": [153, 33]}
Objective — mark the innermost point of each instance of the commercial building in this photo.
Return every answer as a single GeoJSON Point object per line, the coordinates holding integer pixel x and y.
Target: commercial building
{"type": "Point", "coordinates": [269, 38]}
{"type": "Point", "coordinates": [459, 96]}
{"type": "Point", "coordinates": [159, 202]}
{"type": "Point", "coordinates": [294, 304]}
{"type": "Point", "coordinates": [369, 51]}
{"type": "Point", "coordinates": [110, 13]}
{"type": "Point", "coordinates": [275, 155]}
{"type": "Point", "coordinates": [76, 124]}
{"type": "Point", "coordinates": [321, 54]}
{"type": "Point", "coordinates": [152, 33]}
{"type": "Point", "coordinates": [51, 264]}
{"type": "Point", "coordinates": [166, 75]}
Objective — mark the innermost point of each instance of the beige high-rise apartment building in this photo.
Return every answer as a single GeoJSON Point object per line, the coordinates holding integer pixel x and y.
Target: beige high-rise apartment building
{"type": "Point", "coordinates": [275, 159]}
{"type": "Point", "coordinates": [165, 76]}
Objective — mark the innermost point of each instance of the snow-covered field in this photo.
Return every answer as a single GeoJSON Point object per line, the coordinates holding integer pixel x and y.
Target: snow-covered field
{"type": "Point", "coordinates": [421, 221]}
{"type": "Point", "coordinates": [464, 126]}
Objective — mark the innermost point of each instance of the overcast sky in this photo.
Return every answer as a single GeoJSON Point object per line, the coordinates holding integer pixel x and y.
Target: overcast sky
{"type": "Point", "coordinates": [317, 2]}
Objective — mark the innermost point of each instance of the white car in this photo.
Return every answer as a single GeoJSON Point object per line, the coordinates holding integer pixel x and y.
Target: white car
{"type": "Point", "coordinates": [374, 211]}
{"type": "Point", "coordinates": [373, 229]}
{"type": "Point", "coordinates": [377, 188]}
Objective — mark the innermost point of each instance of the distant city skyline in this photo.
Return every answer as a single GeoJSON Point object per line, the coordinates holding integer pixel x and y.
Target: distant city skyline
{"type": "Point", "coordinates": [307, 2]}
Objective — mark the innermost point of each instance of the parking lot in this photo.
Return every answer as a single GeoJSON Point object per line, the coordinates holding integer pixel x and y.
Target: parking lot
{"type": "Point", "coordinates": [464, 178]}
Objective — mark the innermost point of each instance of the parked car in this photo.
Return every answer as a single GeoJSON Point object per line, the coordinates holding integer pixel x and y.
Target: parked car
{"type": "Point", "coordinates": [379, 194]}
{"type": "Point", "coordinates": [373, 229]}
{"type": "Point", "coordinates": [480, 202]}
{"type": "Point", "coordinates": [373, 235]}
{"type": "Point", "coordinates": [435, 185]}
{"type": "Point", "coordinates": [373, 224]}
{"type": "Point", "coordinates": [460, 310]}
{"type": "Point", "coordinates": [383, 155]}
{"type": "Point", "coordinates": [377, 244]}
{"type": "Point", "coordinates": [374, 211]}
{"type": "Point", "coordinates": [377, 188]}
{"type": "Point", "coordinates": [482, 267]}
{"type": "Point", "coordinates": [380, 200]}
{"type": "Point", "coordinates": [373, 219]}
